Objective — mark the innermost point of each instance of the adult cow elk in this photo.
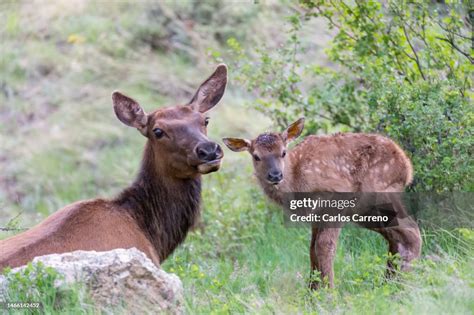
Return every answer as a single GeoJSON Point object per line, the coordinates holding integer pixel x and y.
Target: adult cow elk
{"type": "Point", "coordinates": [344, 162]}
{"type": "Point", "coordinates": [155, 213]}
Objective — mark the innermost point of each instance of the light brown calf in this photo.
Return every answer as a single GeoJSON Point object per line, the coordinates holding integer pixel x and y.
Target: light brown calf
{"type": "Point", "coordinates": [344, 162]}
{"type": "Point", "coordinates": [155, 213]}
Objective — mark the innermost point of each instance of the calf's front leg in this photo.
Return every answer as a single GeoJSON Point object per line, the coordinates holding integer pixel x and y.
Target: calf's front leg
{"type": "Point", "coordinates": [322, 252]}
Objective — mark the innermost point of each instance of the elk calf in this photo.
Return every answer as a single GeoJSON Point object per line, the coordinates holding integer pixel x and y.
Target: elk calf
{"type": "Point", "coordinates": [344, 162]}
{"type": "Point", "coordinates": [155, 213]}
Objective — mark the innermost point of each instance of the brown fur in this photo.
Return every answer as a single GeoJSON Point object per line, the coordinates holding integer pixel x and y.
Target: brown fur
{"type": "Point", "coordinates": [155, 213]}
{"type": "Point", "coordinates": [344, 162]}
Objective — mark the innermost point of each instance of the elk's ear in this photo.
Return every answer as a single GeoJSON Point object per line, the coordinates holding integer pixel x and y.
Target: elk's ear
{"type": "Point", "coordinates": [237, 145]}
{"type": "Point", "coordinates": [211, 91]}
{"type": "Point", "coordinates": [129, 112]}
{"type": "Point", "coordinates": [293, 131]}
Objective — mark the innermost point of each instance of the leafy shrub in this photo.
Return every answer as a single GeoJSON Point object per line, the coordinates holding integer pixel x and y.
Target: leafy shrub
{"type": "Point", "coordinates": [401, 68]}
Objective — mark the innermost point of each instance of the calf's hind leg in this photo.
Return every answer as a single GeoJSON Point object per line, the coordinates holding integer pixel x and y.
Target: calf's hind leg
{"type": "Point", "coordinates": [403, 239]}
{"type": "Point", "coordinates": [322, 251]}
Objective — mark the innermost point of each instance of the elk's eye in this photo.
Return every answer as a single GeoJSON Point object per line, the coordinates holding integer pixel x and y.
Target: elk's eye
{"type": "Point", "coordinates": [206, 121]}
{"type": "Point", "coordinates": [159, 133]}
{"type": "Point", "coordinates": [256, 158]}
{"type": "Point", "coordinates": [283, 154]}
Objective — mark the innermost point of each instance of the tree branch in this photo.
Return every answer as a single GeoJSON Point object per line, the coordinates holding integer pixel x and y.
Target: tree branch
{"type": "Point", "coordinates": [453, 45]}
{"type": "Point", "coordinates": [334, 24]}
{"type": "Point", "coordinates": [417, 60]}
{"type": "Point", "coordinates": [6, 229]}
{"type": "Point", "coordinates": [444, 28]}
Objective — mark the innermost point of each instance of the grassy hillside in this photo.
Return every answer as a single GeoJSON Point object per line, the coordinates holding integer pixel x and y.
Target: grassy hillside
{"type": "Point", "coordinates": [60, 142]}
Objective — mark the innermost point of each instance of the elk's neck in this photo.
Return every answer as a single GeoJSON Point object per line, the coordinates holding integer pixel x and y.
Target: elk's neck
{"type": "Point", "coordinates": [276, 192]}
{"type": "Point", "coordinates": [164, 207]}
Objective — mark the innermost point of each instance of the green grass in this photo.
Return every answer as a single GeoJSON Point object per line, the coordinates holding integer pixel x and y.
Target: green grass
{"type": "Point", "coordinates": [38, 284]}
{"type": "Point", "coordinates": [245, 260]}
{"type": "Point", "coordinates": [60, 142]}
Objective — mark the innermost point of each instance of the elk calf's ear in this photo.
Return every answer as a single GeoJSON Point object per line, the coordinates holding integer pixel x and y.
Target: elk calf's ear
{"type": "Point", "coordinates": [211, 91]}
{"type": "Point", "coordinates": [237, 145]}
{"type": "Point", "coordinates": [293, 131]}
{"type": "Point", "coordinates": [129, 112]}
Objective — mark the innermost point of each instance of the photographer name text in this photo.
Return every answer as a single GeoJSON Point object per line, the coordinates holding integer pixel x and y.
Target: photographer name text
{"type": "Point", "coordinates": [339, 218]}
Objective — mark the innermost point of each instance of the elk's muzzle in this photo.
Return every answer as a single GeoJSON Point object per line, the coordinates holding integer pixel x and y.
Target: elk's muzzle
{"type": "Point", "coordinates": [210, 155]}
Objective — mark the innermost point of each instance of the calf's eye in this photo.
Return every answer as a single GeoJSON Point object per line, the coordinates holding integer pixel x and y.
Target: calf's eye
{"type": "Point", "coordinates": [159, 133]}
{"type": "Point", "coordinates": [206, 121]}
{"type": "Point", "coordinates": [256, 158]}
{"type": "Point", "coordinates": [283, 154]}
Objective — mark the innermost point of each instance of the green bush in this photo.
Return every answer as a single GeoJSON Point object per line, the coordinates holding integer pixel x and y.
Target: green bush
{"type": "Point", "coordinates": [400, 68]}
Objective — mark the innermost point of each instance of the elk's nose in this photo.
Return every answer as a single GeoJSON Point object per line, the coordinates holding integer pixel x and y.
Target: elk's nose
{"type": "Point", "coordinates": [274, 176]}
{"type": "Point", "coordinates": [208, 151]}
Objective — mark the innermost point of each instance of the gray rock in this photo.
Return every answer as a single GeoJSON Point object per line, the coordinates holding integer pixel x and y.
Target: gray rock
{"type": "Point", "coordinates": [114, 277]}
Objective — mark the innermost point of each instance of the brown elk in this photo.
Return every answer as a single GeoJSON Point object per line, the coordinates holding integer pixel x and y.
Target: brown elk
{"type": "Point", "coordinates": [155, 213]}
{"type": "Point", "coordinates": [344, 162]}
